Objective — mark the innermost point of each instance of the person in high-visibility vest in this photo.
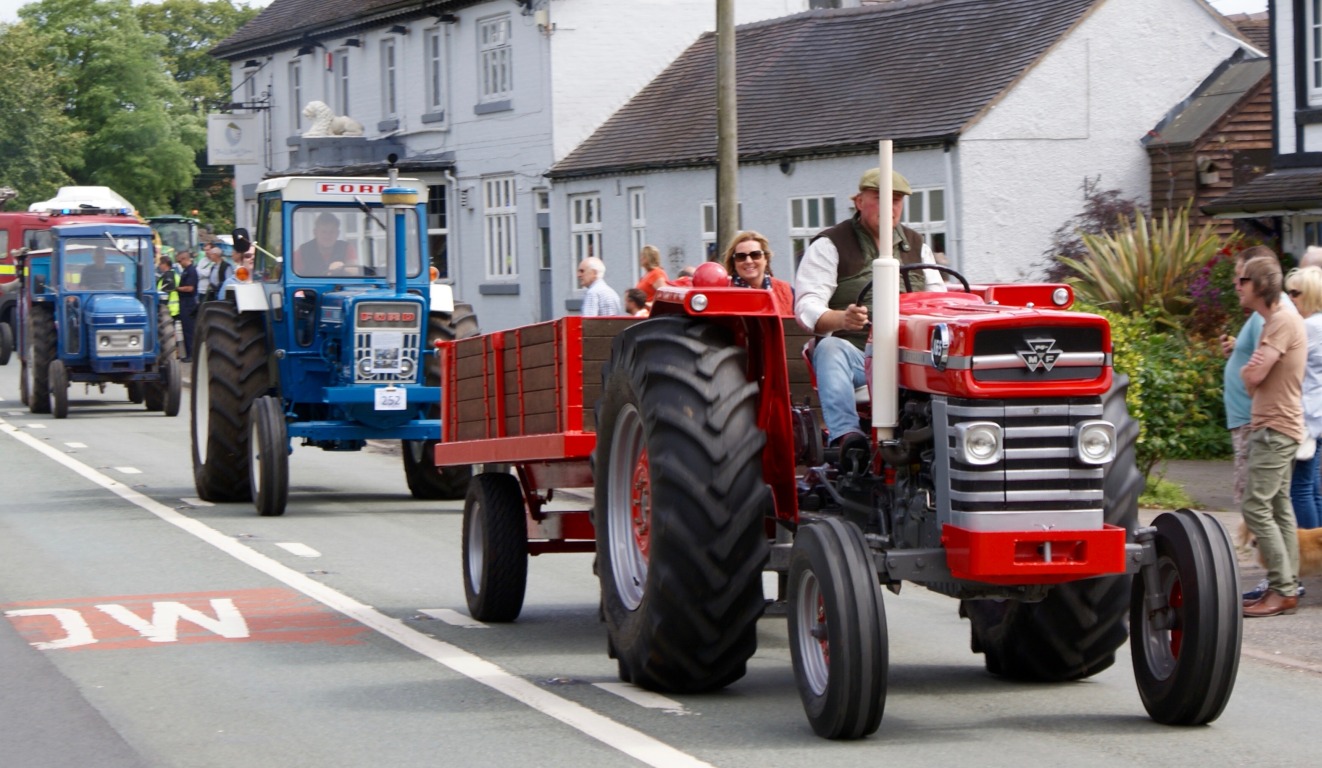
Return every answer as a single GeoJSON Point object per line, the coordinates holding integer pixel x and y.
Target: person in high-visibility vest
{"type": "Point", "coordinates": [167, 283]}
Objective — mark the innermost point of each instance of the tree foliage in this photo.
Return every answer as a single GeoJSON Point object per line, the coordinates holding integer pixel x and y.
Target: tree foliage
{"type": "Point", "coordinates": [39, 144]}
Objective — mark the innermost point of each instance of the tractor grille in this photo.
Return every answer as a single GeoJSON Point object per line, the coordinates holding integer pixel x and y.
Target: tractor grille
{"type": "Point", "coordinates": [1038, 483]}
{"type": "Point", "coordinates": [1051, 353]}
{"type": "Point", "coordinates": [387, 340]}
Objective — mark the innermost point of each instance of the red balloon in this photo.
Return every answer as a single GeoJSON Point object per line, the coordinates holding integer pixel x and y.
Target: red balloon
{"type": "Point", "coordinates": [709, 274]}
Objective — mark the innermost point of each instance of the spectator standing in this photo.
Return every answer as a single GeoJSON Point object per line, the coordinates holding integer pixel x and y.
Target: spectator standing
{"type": "Point", "coordinates": [188, 301]}
{"type": "Point", "coordinates": [599, 299]}
{"type": "Point", "coordinates": [748, 260]}
{"type": "Point", "coordinates": [168, 283]}
{"type": "Point", "coordinates": [1274, 378]}
{"type": "Point", "coordinates": [1304, 287]}
{"type": "Point", "coordinates": [220, 270]}
{"type": "Point", "coordinates": [635, 302]}
{"type": "Point", "coordinates": [650, 260]}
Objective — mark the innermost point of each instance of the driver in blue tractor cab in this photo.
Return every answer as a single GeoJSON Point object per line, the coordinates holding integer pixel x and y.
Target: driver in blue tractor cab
{"type": "Point", "coordinates": [325, 254]}
{"type": "Point", "coordinates": [100, 276]}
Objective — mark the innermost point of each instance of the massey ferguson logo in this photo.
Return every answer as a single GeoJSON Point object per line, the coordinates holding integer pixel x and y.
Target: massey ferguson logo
{"type": "Point", "coordinates": [1042, 353]}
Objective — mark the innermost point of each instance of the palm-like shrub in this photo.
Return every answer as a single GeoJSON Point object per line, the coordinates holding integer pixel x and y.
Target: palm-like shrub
{"type": "Point", "coordinates": [1144, 264]}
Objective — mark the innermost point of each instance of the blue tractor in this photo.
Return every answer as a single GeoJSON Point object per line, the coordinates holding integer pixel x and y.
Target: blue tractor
{"type": "Point", "coordinates": [88, 311]}
{"type": "Point", "coordinates": [326, 336]}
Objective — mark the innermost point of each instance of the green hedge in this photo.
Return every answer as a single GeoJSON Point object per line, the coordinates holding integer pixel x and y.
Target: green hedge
{"type": "Point", "coordinates": [1174, 390]}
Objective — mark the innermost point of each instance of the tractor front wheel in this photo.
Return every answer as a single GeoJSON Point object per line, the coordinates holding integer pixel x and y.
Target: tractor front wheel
{"type": "Point", "coordinates": [41, 331]}
{"type": "Point", "coordinates": [495, 541]}
{"type": "Point", "coordinates": [268, 466]}
{"type": "Point", "coordinates": [837, 626]}
{"type": "Point", "coordinates": [229, 374]}
{"type": "Point", "coordinates": [1185, 621]}
{"type": "Point", "coordinates": [680, 505]}
{"type": "Point", "coordinates": [6, 342]}
{"type": "Point", "coordinates": [59, 389]}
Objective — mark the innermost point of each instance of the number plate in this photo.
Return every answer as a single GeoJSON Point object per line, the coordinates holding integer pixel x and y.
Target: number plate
{"type": "Point", "coordinates": [391, 399]}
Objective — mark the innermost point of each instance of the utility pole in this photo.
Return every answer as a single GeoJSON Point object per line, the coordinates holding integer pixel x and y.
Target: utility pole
{"type": "Point", "coordinates": [727, 128]}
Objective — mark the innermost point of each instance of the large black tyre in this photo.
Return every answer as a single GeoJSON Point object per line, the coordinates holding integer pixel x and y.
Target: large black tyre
{"type": "Point", "coordinates": [41, 330]}
{"type": "Point", "coordinates": [59, 389]}
{"type": "Point", "coordinates": [174, 386]}
{"type": "Point", "coordinates": [156, 394]}
{"type": "Point", "coordinates": [229, 373]}
{"type": "Point", "coordinates": [6, 342]}
{"type": "Point", "coordinates": [134, 389]}
{"type": "Point", "coordinates": [24, 381]}
{"type": "Point", "coordinates": [1075, 631]}
{"type": "Point", "coordinates": [1186, 622]}
{"type": "Point", "coordinates": [495, 548]}
{"type": "Point", "coordinates": [425, 480]}
{"type": "Point", "coordinates": [268, 466]}
{"type": "Point", "coordinates": [680, 506]}
{"type": "Point", "coordinates": [837, 627]}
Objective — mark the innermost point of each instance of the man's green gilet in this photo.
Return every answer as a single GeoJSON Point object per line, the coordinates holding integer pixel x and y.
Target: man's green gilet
{"type": "Point", "coordinates": [857, 250]}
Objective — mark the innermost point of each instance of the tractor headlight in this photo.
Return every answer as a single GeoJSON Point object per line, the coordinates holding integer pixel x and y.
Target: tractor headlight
{"type": "Point", "coordinates": [406, 367]}
{"type": "Point", "coordinates": [364, 368]}
{"type": "Point", "coordinates": [104, 342]}
{"type": "Point", "coordinates": [978, 442]}
{"type": "Point", "coordinates": [1094, 442]}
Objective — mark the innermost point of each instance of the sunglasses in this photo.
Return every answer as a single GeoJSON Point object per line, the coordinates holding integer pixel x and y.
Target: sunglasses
{"type": "Point", "coordinates": [754, 255]}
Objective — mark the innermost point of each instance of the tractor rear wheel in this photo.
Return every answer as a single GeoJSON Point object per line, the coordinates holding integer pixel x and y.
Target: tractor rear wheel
{"type": "Point", "coordinates": [6, 342]}
{"type": "Point", "coordinates": [268, 446]}
{"type": "Point", "coordinates": [1185, 620]}
{"type": "Point", "coordinates": [425, 479]}
{"type": "Point", "coordinates": [495, 542]}
{"type": "Point", "coordinates": [680, 505]}
{"type": "Point", "coordinates": [837, 625]}
{"type": "Point", "coordinates": [229, 373]}
{"type": "Point", "coordinates": [41, 330]}
{"type": "Point", "coordinates": [59, 389]}
{"type": "Point", "coordinates": [157, 393]}
{"type": "Point", "coordinates": [1075, 631]}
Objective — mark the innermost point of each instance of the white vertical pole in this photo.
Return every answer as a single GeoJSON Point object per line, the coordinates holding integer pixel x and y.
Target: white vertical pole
{"type": "Point", "coordinates": [885, 311]}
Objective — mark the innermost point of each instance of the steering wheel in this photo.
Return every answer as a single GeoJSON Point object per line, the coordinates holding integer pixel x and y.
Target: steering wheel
{"type": "Point", "coordinates": [908, 269]}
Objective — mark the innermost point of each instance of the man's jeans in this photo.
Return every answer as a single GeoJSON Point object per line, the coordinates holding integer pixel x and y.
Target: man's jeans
{"type": "Point", "coordinates": [839, 369]}
{"type": "Point", "coordinates": [1267, 509]}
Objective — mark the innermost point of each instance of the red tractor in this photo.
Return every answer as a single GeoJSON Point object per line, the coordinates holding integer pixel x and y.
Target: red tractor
{"type": "Point", "coordinates": [1001, 473]}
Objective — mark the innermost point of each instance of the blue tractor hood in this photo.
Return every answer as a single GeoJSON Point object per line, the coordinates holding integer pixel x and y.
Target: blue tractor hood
{"type": "Point", "coordinates": [114, 309]}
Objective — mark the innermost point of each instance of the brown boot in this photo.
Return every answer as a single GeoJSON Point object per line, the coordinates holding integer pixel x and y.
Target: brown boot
{"type": "Point", "coordinates": [1272, 604]}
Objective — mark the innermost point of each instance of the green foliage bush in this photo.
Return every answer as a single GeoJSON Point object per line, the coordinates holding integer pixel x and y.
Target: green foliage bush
{"type": "Point", "coordinates": [1174, 389]}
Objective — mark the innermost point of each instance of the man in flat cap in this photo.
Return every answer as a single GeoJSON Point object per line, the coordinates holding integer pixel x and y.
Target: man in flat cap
{"type": "Point", "coordinates": [834, 269]}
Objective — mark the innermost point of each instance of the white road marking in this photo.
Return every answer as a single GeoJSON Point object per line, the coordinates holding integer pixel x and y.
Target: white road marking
{"type": "Point", "coordinates": [294, 548]}
{"type": "Point", "coordinates": [192, 502]}
{"type": "Point", "coordinates": [634, 743]}
{"type": "Point", "coordinates": [76, 445]}
{"type": "Point", "coordinates": [129, 470]}
{"type": "Point", "coordinates": [453, 617]}
{"type": "Point", "coordinates": [36, 426]}
{"type": "Point", "coordinates": [633, 693]}
{"type": "Point", "coordinates": [14, 413]}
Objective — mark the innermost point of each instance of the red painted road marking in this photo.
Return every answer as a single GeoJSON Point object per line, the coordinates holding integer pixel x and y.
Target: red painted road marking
{"type": "Point", "coordinates": [139, 621]}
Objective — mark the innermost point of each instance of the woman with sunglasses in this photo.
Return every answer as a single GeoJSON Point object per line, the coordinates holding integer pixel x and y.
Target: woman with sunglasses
{"type": "Point", "coordinates": [748, 260]}
{"type": "Point", "coordinates": [1304, 287]}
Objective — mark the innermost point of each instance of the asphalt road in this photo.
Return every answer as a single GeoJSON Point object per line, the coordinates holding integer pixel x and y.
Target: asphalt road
{"type": "Point", "coordinates": [174, 633]}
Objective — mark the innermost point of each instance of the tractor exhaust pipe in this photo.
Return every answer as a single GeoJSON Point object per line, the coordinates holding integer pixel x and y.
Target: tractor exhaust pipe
{"type": "Point", "coordinates": [885, 312]}
{"type": "Point", "coordinates": [398, 201]}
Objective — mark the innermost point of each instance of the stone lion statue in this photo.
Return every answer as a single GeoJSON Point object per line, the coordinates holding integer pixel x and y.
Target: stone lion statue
{"type": "Point", "coordinates": [327, 123]}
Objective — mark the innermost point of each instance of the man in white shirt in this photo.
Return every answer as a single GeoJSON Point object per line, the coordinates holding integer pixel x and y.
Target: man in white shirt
{"type": "Point", "coordinates": [599, 299]}
{"type": "Point", "coordinates": [835, 267]}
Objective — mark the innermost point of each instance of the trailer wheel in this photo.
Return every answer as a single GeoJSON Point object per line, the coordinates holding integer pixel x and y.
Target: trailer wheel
{"type": "Point", "coordinates": [41, 330]}
{"type": "Point", "coordinates": [268, 463]}
{"type": "Point", "coordinates": [425, 479]}
{"type": "Point", "coordinates": [173, 387]}
{"type": "Point", "coordinates": [495, 540]}
{"type": "Point", "coordinates": [1074, 632]}
{"type": "Point", "coordinates": [680, 505]}
{"type": "Point", "coordinates": [59, 389]}
{"type": "Point", "coordinates": [837, 627]}
{"type": "Point", "coordinates": [135, 392]}
{"type": "Point", "coordinates": [229, 373]}
{"type": "Point", "coordinates": [6, 342]}
{"type": "Point", "coordinates": [1186, 622]}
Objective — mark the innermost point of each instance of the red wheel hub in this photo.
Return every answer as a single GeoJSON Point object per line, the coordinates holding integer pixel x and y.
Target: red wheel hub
{"type": "Point", "coordinates": [640, 505]}
{"type": "Point", "coordinates": [1177, 626]}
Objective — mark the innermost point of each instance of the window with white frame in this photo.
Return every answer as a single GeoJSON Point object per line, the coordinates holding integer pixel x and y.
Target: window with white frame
{"type": "Point", "coordinates": [389, 106]}
{"type": "Point", "coordinates": [1313, 49]}
{"type": "Point", "coordinates": [925, 213]}
{"type": "Point", "coordinates": [709, 248]}
{"type": "Point", "coordinates": [808, 216]}
{"type": "Point", "coordinates": [584, 227]}
{"type": "Point", "coordinates": [499, 214]}
{"type": "Point", "coordinates": [495, 64]}
{"type": "Point", "coordinates": [250, 88]}
{"type": "Point", "coordinates": [296, 96]}
{"type": "Point", "coordinates": [340, 81]}
{"type": "Point", "coordinates": [434, 40]}
{"type": "Point", "coordinates": [438, 228]}
{"type": "Point", "coordinates": [637, 221]}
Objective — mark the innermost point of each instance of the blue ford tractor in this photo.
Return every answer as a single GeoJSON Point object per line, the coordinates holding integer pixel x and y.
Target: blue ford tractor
{"type": "Point", "coordinates": [88, 312]}
{"type": "Point", "coordinates": [327, 337]}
